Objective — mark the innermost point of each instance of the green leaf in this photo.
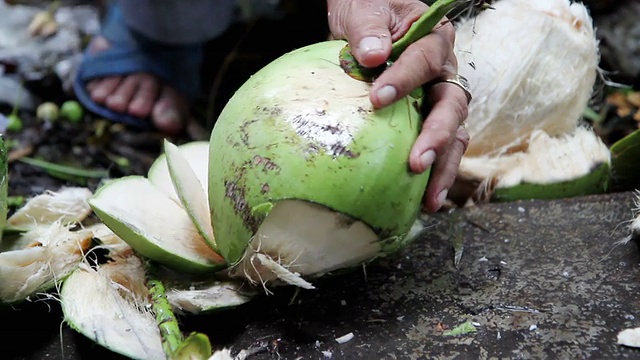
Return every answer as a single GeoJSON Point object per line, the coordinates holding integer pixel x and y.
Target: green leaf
{"type": "Point", "coordinates": [462, 329]}
{"type": "Point", "coordinates": [625, 167]}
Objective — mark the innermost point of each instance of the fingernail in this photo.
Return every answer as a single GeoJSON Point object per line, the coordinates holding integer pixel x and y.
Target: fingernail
{"type": "Point", "coordinates": [442, 197]}
{"type": "Point", "coordinates": [387, 94]}
{"type": "Point", "coordinates": [428, 158]}
{"type": "Point", "coordinates": [370, 44]}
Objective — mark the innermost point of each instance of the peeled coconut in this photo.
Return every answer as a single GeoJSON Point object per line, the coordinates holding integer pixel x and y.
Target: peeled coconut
{"type": "Point", "coordinates": [532, 66]}
{"type": "Point", "coordinates": [305, 176]}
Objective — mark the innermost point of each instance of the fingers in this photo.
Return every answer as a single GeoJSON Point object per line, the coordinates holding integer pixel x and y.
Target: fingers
{"type": "Point", "coordinates": [442, 142]}
{"type": "Point", "coordinates": [423, 61]}
{"type": "Point", "coordinates": [365, 24]}
{"type": "Point", "coordinates": [444, 171]}
{"type": "Point", "coordinates": [371, 26]}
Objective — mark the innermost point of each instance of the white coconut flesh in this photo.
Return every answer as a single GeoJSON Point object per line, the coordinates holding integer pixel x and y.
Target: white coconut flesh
{"type": "Point", "coordinates": [153, 224]}
{"type": "Point", "coordinates": [531, 66]}
{"type": "Point", "coordinates": [547, 160]}
{"type": "Point", "coordinates": [299, 238]}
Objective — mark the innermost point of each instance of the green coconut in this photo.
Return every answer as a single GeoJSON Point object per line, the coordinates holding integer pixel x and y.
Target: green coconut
{"type": "Point", "coordinates": [305, 175]}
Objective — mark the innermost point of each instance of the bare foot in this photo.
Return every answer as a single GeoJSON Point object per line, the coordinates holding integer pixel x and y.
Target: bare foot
{"type": "Point", "coordinates": [141, 95]}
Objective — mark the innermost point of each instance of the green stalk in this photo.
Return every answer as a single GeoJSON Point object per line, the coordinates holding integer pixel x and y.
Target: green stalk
{"type": "Point", "coordinates": [195, 347]}
{"type": "Point", "coordinates": [419, 29]}
{"type": "Point", "coordinates": [423, 26]}
{"type": "Point", "coordinates": [167, 322]}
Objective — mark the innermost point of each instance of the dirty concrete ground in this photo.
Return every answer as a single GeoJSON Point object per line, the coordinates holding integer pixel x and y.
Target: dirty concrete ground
{"type": "Point", "coordinates": [539, 279]}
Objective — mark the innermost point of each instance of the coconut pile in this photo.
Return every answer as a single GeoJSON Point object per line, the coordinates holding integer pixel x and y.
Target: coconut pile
{"type": "Point", "coordinates": [298, 182]}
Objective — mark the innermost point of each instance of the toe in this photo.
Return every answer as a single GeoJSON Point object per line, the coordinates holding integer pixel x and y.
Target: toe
{"type": "Point", "coordinates": [120, 98]}
{"type": "Point", "coordinates": [145, 96]}
{"type": "Point", "coordinates": [101, 89]}
{"type": "Point", "coordinates": [170, 111]}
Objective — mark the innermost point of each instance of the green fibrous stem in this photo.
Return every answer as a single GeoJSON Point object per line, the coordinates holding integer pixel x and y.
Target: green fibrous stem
{"type": "Point", "coordinates": [175, 346]}
{"type": "Point", "coordinates": [420, 28]}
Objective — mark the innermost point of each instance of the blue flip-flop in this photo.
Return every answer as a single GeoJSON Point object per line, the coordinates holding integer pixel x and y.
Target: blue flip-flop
{"type": "Point", "coordinates": [129, 52]}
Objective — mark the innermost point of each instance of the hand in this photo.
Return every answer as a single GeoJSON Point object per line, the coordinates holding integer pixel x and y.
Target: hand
{"type": "Point", "coordinates": [371, 26]}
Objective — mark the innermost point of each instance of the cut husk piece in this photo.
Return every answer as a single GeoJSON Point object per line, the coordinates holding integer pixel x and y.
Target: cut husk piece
{"type": "Point", "coordinates": [196, 153]}
{"type": "Point", "coordinates": [110, 305]}
{"type": "Point", "coordinates": [310, 136]}
{"type": "Point", "coordinates": [39, 259]}
{"type": "Point", "coordinates": [153, 224]}
{"type": "Point", "coordinates": [48, 247]}
{"type": "Point", "coordinates": [67, 205]}
{"type": "Point", "coordinates": [191, 192]}
{"type": "Point", "coordinates": [190, 294]}
{"type": "Point", "coordinates": [551, 167]}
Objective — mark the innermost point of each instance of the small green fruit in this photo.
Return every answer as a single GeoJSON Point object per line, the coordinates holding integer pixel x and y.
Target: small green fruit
{"type": "Point", "coordinates": [48, 111]}
{"type": "Point", "coordinates": [72, 111]}
{"type": "Point", "coordinates": [15, 123]}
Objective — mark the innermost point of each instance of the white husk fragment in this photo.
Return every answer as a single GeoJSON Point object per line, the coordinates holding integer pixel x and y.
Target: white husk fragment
{"type": "Point", "coordinates": [197, 154]}
{"type": "Point", "coordinates": [190, 190]}
{"type": "Point", "coordinates": [224, 354]}
{"type": "Point", "coordinates": [546, 160]}
{"type": "Point", "coordinates": [531, 66]}
{"type": "Point", "coordinates": [345, 338]}
{"type": "Point", "coordinates": [47, 249]}
{"type": "Point", "coordinates": [634, 226]}
{"type": "Point", "coordinates": [629, 337]}
{"type": "Point", "coordinates": [68, 205]}
{"type": "Point", "coordinates": [299, 238]}
{"type": "Point", "coordinates": [196, 298]}
{"type": "Point", "coordinates": [110, 306]}
{"type": "Point", "coordinates": [53, 252]}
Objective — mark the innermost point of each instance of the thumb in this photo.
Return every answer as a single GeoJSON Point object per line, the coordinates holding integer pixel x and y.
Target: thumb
{"type": "Point", "coordinates": [365, 25]}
